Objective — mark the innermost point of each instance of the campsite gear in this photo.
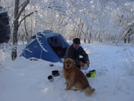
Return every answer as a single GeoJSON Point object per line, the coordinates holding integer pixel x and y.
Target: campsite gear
{"type": "Point", "coordinates": [51, 65]}
{"type": "Point", "coordinates": [55, 73]}
{"type": "Point", "coordinates": [50, 78]}
{"type": "Point", "coordinates": [4, 26]}
{"type": "Point", "coordinates": [91, 74]}
{"type": "Point", "coordinates": [85, 67]}
{"type": "Point", "coordinates": [47, 46]}
{"type": "Point", "coordinates": [32, 59]}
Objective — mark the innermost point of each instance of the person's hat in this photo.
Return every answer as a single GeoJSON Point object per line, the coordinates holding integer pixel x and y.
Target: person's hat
{"type": "Point", "coordinates": [76, 41]}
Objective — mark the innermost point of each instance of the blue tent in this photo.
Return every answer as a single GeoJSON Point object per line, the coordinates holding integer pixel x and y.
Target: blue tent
{"type": "Point", "coordinates": [46, 45]}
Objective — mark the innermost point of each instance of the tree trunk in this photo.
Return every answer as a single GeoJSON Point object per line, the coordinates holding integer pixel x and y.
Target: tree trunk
{"type": "Point", "coordinates": [15, 30]}
{"type": "Point", "coordinates": [16, 23]}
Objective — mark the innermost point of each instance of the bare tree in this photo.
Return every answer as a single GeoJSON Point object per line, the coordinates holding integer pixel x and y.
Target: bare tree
{"type": "Point", "coordinates": [18, 9]}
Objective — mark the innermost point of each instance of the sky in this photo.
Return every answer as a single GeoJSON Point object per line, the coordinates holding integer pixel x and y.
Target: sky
{"type": "Point", "coordinates": [25, 80]}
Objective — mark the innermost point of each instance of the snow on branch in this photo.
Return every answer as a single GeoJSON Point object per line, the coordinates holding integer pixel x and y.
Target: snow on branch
{"type": "Point", "coordinates": [25, 17]}
{"type": "Point", "coordinates": [57, 7]}
{"type": "Point", "coordinates": [22, 9]}
{"type": "Point", "coordinates": [2, 10]}
{"type": "Point", "coordinates": [40, 43]}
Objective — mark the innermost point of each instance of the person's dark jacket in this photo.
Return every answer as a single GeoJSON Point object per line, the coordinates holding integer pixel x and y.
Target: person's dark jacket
{"type": "Point", "coordinates": [75, 54]}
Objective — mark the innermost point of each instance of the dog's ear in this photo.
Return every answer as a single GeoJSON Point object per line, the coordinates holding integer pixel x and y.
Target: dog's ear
{"type": "Point", "coordinates": [64, 63]}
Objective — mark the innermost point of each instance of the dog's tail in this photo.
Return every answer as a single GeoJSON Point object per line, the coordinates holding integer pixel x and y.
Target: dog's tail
{"type": "Point", "coordinates": [89, 91]}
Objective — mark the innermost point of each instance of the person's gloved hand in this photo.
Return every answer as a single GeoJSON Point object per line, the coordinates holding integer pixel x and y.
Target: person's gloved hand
{"type": "Point", "coordinates": [88, 62]}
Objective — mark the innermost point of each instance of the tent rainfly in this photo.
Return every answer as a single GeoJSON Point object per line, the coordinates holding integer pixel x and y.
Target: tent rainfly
{"type": "Point", "coordinates": [47, 46]}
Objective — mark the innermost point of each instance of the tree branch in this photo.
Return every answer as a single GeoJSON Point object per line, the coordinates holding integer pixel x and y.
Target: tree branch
{"type": "Point", "coordinates": [21, 4]}
{"type": "Point", "coordinates": [22, 9]}
{"type": "Point", "coordinates": [25, 17]}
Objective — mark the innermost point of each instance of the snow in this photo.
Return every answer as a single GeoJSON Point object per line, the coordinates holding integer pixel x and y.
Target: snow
{"type": "Point", "coordinates": [2, 10]}
{"type": "Point", "coordinates": [25, 80]}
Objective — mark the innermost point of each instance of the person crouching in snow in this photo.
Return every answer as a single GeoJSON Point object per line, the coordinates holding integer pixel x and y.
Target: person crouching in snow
{"type": "Point", "coordinates": [74, 52]}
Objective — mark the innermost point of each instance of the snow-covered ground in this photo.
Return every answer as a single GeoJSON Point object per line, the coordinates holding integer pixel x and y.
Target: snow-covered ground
{"type": "Point", "coordinates": [25, 80]}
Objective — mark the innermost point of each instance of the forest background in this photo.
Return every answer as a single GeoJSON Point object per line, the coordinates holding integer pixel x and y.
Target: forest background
{"type": "Point", "coordinates": [107, 21]}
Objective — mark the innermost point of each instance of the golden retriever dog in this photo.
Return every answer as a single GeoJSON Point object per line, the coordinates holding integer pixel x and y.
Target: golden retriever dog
{"type": "Point", "coordinates": [75, 77]}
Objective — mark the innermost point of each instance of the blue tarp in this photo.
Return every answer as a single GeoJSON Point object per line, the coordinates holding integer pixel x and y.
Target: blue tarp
{"type": "Point", "coordinates": [4, 26]}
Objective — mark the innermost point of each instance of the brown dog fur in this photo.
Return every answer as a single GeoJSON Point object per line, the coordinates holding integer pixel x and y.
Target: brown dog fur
{"type": "Point", "coordinates": [75, 77]}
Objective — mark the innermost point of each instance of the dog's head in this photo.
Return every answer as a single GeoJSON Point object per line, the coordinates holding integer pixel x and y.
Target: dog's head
{"type": "Point", "coordinates": [68, 63]}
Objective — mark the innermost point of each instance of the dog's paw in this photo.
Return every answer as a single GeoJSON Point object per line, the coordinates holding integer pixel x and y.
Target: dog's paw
{"type": "Point", "coordinates": [75, 89]}
{"type": "Point", "coordinates": [66, 89]}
